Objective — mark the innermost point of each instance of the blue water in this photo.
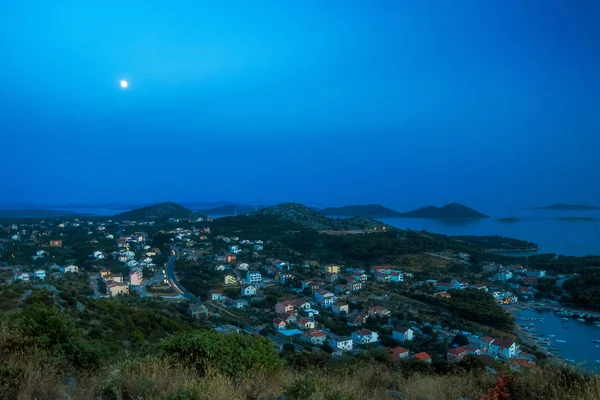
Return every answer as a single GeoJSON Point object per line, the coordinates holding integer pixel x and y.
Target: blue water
{"type": "Point", "coordinates": [578, 336]}
{"type": "Point", "coordinates": [543, 227]}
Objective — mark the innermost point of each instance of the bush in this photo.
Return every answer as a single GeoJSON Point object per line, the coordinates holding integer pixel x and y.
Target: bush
{"type": "Point", "coordinates": [235, 355]}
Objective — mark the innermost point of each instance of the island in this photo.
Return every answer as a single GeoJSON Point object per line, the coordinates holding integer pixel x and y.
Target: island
{"type": "Point", "coordinates": [562, 207]}
{"type": "Point", "coordinates": [369, 210]}
{"type": "Point", "coordinates": [449, 211]}
{"type": "Point", "coordinates": [161, 210]}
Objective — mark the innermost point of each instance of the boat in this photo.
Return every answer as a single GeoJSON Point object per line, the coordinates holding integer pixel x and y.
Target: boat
{"type": "Point", "coordinates": [597, 361]}
{"type": "Point", "coordinates": [565, 327]}
{"type": "Point", "coordinates": [565, 318]}
{"type": "Point", "coordinates": [580, 319]}
{"type": "Point", "coordinates": [598, 346]}
{"type": "Point", "coordinates": [569, 360]}
{"type": "Point", "coordinates": [551, 335]}
{"type": "Point", "coordinates": [596, 341]}
{"type": "Point", "coordinates": [560, 341]}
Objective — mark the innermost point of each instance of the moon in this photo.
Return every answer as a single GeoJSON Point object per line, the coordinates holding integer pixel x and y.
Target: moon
{"type": "Point", "coordinates": [124, 84]}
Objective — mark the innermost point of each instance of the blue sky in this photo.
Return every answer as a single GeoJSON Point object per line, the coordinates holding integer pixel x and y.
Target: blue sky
{"type": "Point", "coordinates": [402, 103]}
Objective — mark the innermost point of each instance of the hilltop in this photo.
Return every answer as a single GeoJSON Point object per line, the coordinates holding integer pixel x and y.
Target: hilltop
{"type": "Point", "coordinates": [307, 217]}
{"type": "Point", "coordinates": [561, 207]}
{"type": "Point", "coordinates": [230, 209]}
{"type": "Point", "coordinates": [449, 211]}
{"type": "Point", "coordinates": [161, 210]}
{"type": "Point", "coordinates": [369, 210]}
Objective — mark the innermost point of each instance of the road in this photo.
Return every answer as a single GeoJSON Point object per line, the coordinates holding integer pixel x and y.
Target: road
{"type": "Point", "coordinates": [172, 279]}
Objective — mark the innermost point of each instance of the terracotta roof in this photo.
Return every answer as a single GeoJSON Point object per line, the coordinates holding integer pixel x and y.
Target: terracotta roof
{"type": "Point", "coordinates": [487, 339]}
{"type": "Point", "coordinates": [504, 343]}
{"type": "Point", "coordinates": [423, 356]}
{"type": "Point", "coordinates": [457, 350]}
{"type": "Point", "coordinates": [401, 329]}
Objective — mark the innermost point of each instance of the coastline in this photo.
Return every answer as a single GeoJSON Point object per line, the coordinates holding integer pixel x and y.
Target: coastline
{"type": "Point", "coordinates": [527, 250]}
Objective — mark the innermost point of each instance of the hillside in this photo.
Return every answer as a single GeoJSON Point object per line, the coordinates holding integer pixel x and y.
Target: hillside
{"type": "Point", "coordinates": [230, 209]}
{"type": "Point", "coordinates": [161, 210]}
{"type": "Point", "coordinates": [307, 217]}
{"type": "Point", "coordinates": [562, 207]}
{"type": "Point", "coordinates": [369, 210]}
{"type": "Point", "coordinates": [449, 211]}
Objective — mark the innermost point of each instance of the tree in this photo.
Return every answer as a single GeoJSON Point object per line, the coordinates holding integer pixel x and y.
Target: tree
{"type": "Point", "coordinates": [461, 340]}
{"type": "Point", "coordinates": [427, 329]}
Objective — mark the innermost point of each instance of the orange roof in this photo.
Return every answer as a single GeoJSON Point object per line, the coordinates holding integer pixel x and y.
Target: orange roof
{"type": "Point", "coordinates": [422, 356]}
{"type": "Point", "coordinates": [457, 350]}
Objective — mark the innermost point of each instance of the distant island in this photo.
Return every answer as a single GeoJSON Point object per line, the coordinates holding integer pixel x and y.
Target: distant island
{"type": "Point", "coordinates": [449, 211]}
{"type": "Point", "coordinates": [369, 210]}
{"type": "Point", "coordinates": [568, 207]}
{"type": "Point", "coordinates": [577, 219]}
{"type": "Point", "coordinates": [507, 220]}
{"type": "Point", "coordinates": [161, 210]}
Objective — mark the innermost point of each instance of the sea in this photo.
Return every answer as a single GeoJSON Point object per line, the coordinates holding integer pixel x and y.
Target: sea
{"type": "Point", "coordinates": [578, 336]}
{"type": "Point", "coordinates": [545, 228]}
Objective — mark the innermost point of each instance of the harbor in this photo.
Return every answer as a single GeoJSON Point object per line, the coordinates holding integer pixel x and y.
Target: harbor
{"type": "Point", "coordinates": [563, 334]}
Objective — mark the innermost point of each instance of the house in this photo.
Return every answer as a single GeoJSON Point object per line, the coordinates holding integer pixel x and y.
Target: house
{"type": "Point", "coordinates": [282, 266]}
{"type": "Point", "coordinates": [331, 278]}
{"type": "Point", "coordinates": [310, 284]}
{"type": "Point", "coordinates": [116, 288]}
{"type": "Point", "coordinates": [71, 268]}
{"type": "Point", "coordinates": [278, 324]}
{"type": "Point", "coordinates": [230, 280]}
{"type": "Point", "coordinates": [234, 249]}
{"type": "Point", "coordinates": [254, 277]}
{"type": "Point", "coordinates": [360, 277]}
{"type": "Point", "coordinates": [382, 277]}
{"type": "Point", "coordinates": [503, 276]}
{"type": "Point", "coordinates": [342, 288]}
{"type": "Point", "coordinates": [118, 278]}
{"type": "Point", "coordinates": [284, 307]}
{"type": "Point", "coordinates": [103, 273]}
{"type": "Point", "coordinates": [518, 269]}
{"type": "Point", "coordinates": [257, 247]}
{"type": "Point", "coordinates": [240, 303]}
{"type": "Point", "coordinates": [315, 337]}
{"type": "Point", "coordinates": [536, 274]}
{"type": "Point", "coordinates": [305, 323]}
{"type": "Point", "coordinates": [364, 336]}
{"type": "Point", "coordinates": [22, 276]}
{"type": "Point", "coordinates": [530, 281]}
{"type": "Point", "coordinates": [398, 353]}
{"type": "Point", "coordinates": [198, 311]}
{"type": "Point", "coordinates": [473, 351]}
{"type": "Point", "coordinates": [339, 307]}
{"type": "Point", "coordinates": [301, 304]}
{"type": "Point", "coordinates": [284, 277]}
{"type": "Point", "coordinates": [136, 277]}
{"type": "Point", "coordinates": [342, 343]}
{"type": "Point", "coordinates": [443, 295]}
{"type": "Point", "coordinates": [357, 320]}
{"type": "Point", "coordinates": [456, 354]}
{"type": "Point", "coordinates": [56, 243]}
{"type": "Point", "coordinates": [331, 269]}
{"type": "Point", "coordinates": [443, 286]}
{"type": "Point", "coordinates": [219, 267]}
{"type": "Point", "coordinates": [396, 276]}
{"type": "Point", "coordinates": [480, 286]}
{"type": "Point", "coordinates": [504, 348]}
{"type": "Point", "coordinates": [98, 255]}
{"type": "Point", "coordinates": [39, 274]}
{"type": "Point", "coordinates": [422, 357]}
{"type": "Point", "coordinates": [248, 290]}
{"type": "Point", "coordinates": [131, 263]}
{"type": "Point", "coordinates": [242, 267]}
{"type": "Point", "coordinates": [459, 284]}
{"type": "Point", "coordinates": [381, 269]}
{"type": "Point", "coordinates": [231, 258]}
{"type": "Point", "coordinates": [378, 310]}
{"type": "Point", "coordinates": [289, 319]}
{"type": "Point", "coordinates": [403, 334]}
{"type": "Point", "coordinates": [215, 294]}
{"type": "Point", "coordinates": [324, 297]}
{"type": "Point", "coordinates": [355, 286]}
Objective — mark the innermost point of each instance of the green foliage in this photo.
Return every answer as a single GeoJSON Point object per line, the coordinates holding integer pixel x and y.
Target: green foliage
{"type": "Point", "coordinates": [303, 388]}
{"type": "Point", "coordinates": [479, 306]}
{"type": "Point", "coordinates": [584, 291]}
{"type": "Point", "coordinates": [461, 340]}
{"type": "Point", "coordinates": [234, 354]}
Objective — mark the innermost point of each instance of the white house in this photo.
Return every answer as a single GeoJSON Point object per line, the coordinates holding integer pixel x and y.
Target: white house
{"type": "Point", "coordinates": [136, 276]}
{"type": "Point", "coordinates": [22, 276]}
{"type": "Point", "coordinates": [503, 276]}
{"type": "Point", "coordinates": [340, 342]}
{"type": "Point", "coordinates": [243, 267]}
{"type": "Point", "coordinates": [364, 336]}
{"type": "Point", "coordinates": [254, 277]}
{"type": "Point", "coordinates": [234, 249]}
{"type": "Point", "coordinates": [316, 337]}
{"type": "Point", "coordinates": [70, 268]}
{"type": "Point", "coordinates": [403, 334]}
{"type": "Point", "coordinates": [248, 290]}
{"type": "Point", "coordinates": [504, 348]}
{"type": "Point", "coordinates": [39, 274]}
{"type": "Point", "coordinates": [98, 255]}
{"type": "Point", "coordinates": [324, 298]}
{"type": "Point", "coordinates": [216, 294]}
{"type": "Point", "coordinates": [131, 263]}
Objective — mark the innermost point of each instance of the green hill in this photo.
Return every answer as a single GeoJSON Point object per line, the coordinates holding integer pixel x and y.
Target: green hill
{"type": "Point", "coordinates": [449, 211]}
{"type": "Point", "coordinates": [161, 210]}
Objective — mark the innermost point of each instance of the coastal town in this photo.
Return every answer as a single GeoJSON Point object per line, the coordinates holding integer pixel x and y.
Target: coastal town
{"type": "Point", "coordinates": [302, 306]}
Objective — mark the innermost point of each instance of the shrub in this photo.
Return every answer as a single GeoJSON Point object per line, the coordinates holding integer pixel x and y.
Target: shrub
{"type": "Point", "coordinates": [234, 355]}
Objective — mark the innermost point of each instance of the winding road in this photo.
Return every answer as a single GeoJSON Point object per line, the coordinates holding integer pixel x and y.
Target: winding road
{"type": "Point", "coordinates": [172, 279]}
